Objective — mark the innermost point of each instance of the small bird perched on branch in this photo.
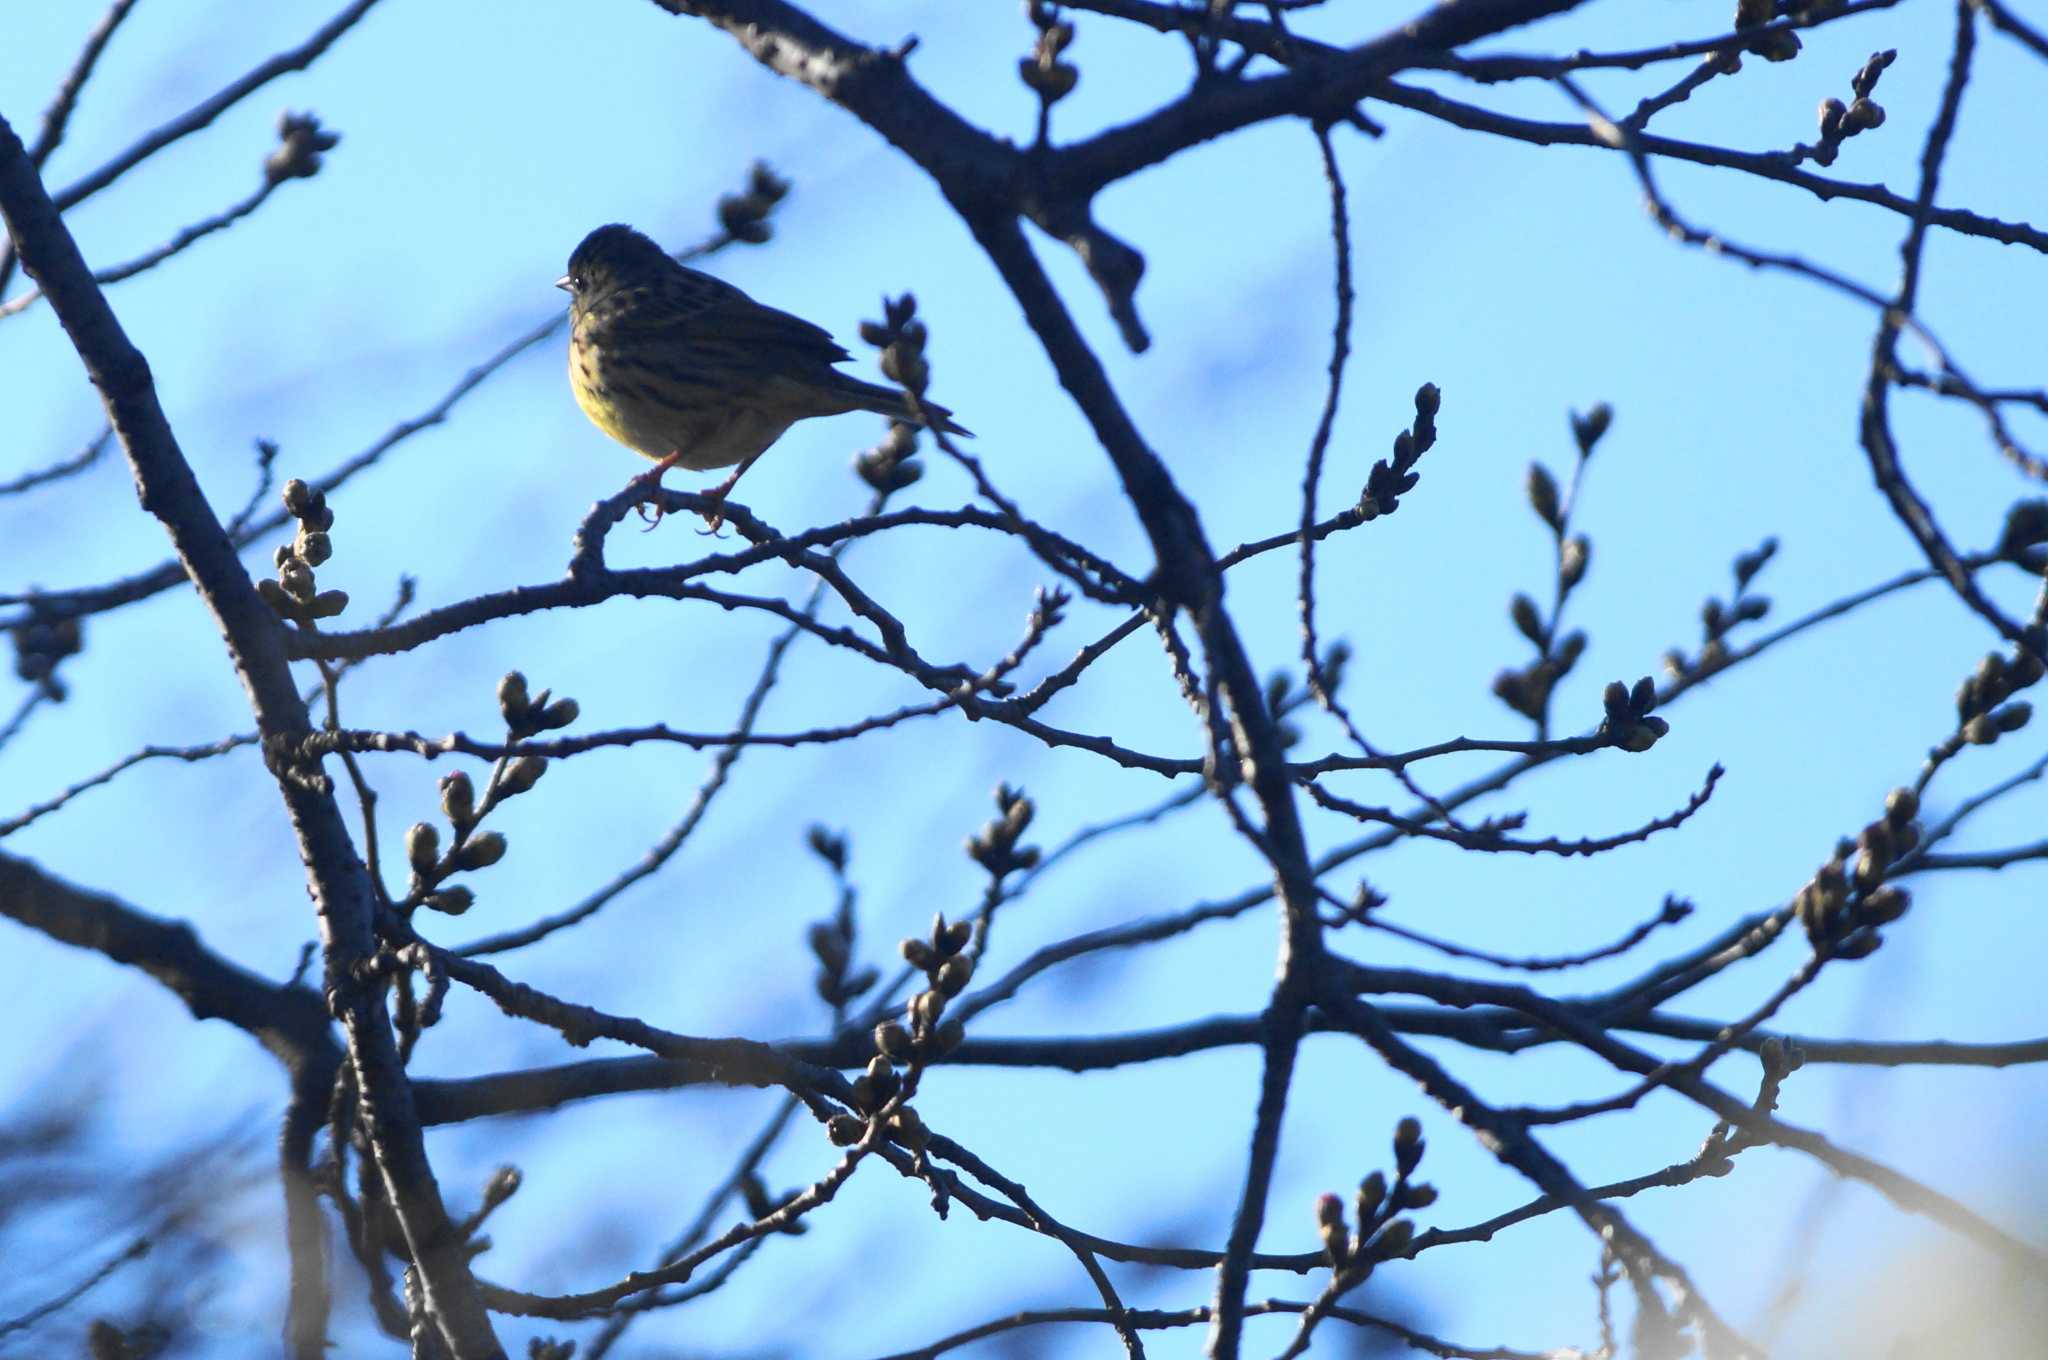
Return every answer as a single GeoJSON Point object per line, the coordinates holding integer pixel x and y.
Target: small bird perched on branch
{"type": "Point", "coordinates": [691, 372]}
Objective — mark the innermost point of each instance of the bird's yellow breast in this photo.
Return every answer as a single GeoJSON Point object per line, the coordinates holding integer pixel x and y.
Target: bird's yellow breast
{"type": "Point", "coordinates": [662, 414]}
{"type": "Point", "coordinates": [605, 407]}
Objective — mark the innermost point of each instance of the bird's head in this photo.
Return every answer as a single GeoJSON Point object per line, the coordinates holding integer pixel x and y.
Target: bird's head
{"type": "Point", "coordinates": [610, 258]}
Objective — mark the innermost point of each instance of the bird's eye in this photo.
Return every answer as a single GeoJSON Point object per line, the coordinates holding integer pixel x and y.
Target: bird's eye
{"type": "Point", "coordinates": [576, 283]}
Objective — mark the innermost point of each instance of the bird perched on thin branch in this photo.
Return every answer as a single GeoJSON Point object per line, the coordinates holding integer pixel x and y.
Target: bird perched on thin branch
{"type": "Point", "coordinates": [691, 372]}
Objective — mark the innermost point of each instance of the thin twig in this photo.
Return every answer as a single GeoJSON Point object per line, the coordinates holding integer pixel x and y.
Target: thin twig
{"type": "Point", "coordinates": [227, 217]}
{"type": "Point", "coordinates": [137, 1249]}
{"type": "Point", "coordinates": [77, 463]}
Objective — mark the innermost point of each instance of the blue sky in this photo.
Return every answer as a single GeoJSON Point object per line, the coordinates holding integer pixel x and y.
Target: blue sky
{"type": "Point", "coordinates": [480, 143]}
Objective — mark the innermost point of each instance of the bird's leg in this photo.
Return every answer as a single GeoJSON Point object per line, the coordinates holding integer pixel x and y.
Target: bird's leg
{"type": "Point", "coordinates": [649, 485]}
{"type": "Point", "coordinates": [714, 516]}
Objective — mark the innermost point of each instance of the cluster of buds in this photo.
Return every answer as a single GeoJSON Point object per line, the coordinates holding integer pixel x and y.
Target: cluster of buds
{"type": "Point", "coordinates": [1527, 691]}
{"type": "Point", "coordinates": [891, 465]}
{"type": "Point", "coordinates": [1628, 722]}
{"type": "Point", "coordinates": [881, 1091]}
{"type": "Point", "coordinates": [529, 715]}
{"type": "Point", "coordinates": [1389, 481]}
{"type": "Point", "coordinates": [43, 640]}
{"type": "Point", "coordinates": [1718, 619]}
{"type": "Point", "coordinates": [1839, 122]}
{"type": "Point", "coordinates": [431, 868]}
{"type": "Point", "coordinates": [1381, 1234]}
{"type": "Point", "coordinates": [1773, 46]}
{"type": "Point", "coordinates": [744, 216]}
{"type": "Point", "coordinates": [301, 142]}
{"type": "Point", "coordinates": [525, 715]}
{"type": "Point", "coordinates": [1282, 698]}
{"type": "Point", "coordinates": [900, 336]}
{"type": "Point", "coordinates": [873, 1092]}
{"type": "Point", "coordinates": [1846, 901]}
{"type": "Point", "coordinates": [550, 1348]}
{"type": "Point", "coordinates": [1982, 713]}
{"type": "Point", "coordinates": [295, 595]}
{"type": "Point", "coordinates": [947, 969]}
{"type": "Point", "coordinates": [838, 983]}
{"type": "Point", "coordinates": [995, 847]}
{"type": "Point", "coordinates": [1047, 76]}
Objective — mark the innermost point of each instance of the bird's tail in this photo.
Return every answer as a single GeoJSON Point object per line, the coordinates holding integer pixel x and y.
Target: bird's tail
{"type": "Point", "coordinates": [891, 402]}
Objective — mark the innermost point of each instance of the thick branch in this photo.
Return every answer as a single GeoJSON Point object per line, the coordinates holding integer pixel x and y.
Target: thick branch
{"type": "Point", "coordinates": [336, 877]}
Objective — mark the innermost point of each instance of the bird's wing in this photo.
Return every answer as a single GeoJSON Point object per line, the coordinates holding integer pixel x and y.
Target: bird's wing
{"type": "Point", "coordinates": [738, 320]}
{"type": "Point", "coordinates": [703, 310]}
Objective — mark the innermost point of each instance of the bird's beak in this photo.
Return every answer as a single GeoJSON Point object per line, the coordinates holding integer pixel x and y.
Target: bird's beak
{"type": "Point", "coordinates": [563, 284]}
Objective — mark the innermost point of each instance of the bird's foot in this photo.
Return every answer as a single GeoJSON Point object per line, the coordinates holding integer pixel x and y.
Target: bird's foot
{"type": "Point", "coordinates": [648, 484]}
{"type": "Point", "coordinates": [714, 513]}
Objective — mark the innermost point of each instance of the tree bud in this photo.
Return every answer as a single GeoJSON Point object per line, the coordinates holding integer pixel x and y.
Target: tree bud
{"type": "Point", "coordinates": [480, 852]}
{"type": "Point", "coordinates": [423, 848]}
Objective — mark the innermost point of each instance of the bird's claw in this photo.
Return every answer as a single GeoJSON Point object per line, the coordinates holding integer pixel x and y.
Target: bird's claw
{"type": "Point", "coordinates": [648, 484]}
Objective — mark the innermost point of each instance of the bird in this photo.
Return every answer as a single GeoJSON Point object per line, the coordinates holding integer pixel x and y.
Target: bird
{"type": "Point", "coordinates": [688, 370]}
